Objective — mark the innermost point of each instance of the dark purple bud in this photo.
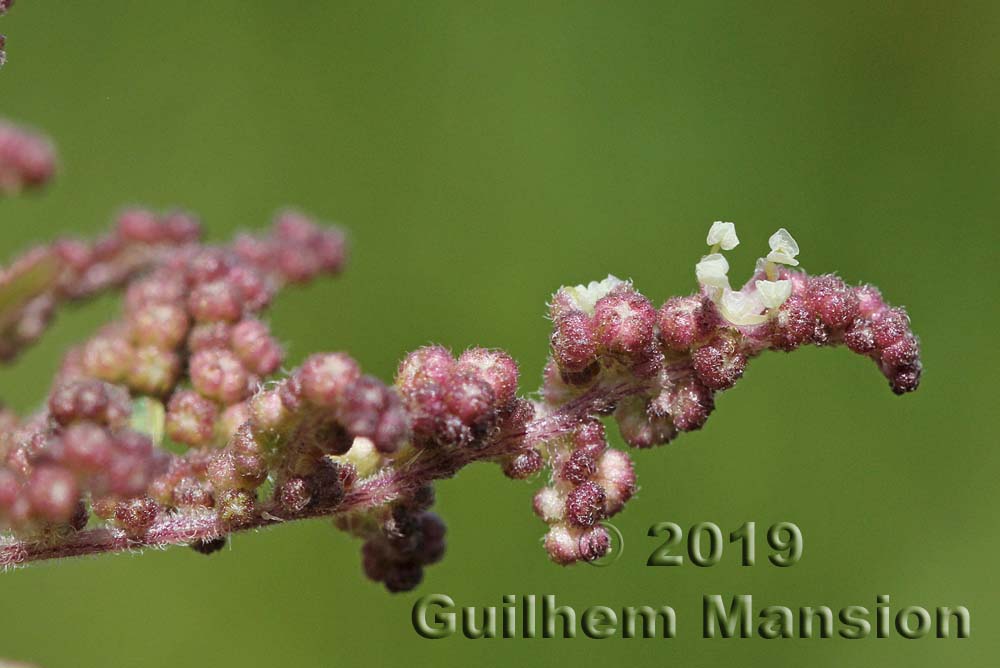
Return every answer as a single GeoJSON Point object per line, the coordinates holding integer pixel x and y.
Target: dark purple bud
{"type": "Point", "coordinates": [719, 363]}
{"type": "Point", "coordinates": [136, 515]}
{"type": "Point", "coordinates": [523, 465]}
{"type": "Point", "coordinates": [293, 495]}
{"type": "Point", "coordinates": [573, 342]}
{"type": "Point", "coordinates": [594, 543]}
{"type": "Point", "coordinates": [585, 504]}
{"type": "Point", "coordinates": [579, 466]}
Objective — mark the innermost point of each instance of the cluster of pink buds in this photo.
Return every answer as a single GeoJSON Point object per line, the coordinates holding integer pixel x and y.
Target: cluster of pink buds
{"type": "Point", "coordinates": [27, 159]}
{"type": "Point", "coordinates": [608, 339]}
{"type": "Point", "coordinates": [174, 424]}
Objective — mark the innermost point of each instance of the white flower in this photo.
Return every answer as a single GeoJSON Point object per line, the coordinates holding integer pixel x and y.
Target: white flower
{"type": "Point", "coordinates": [586, 296]}
{"type": "Point", "coordinates": [740, 308]}
{"type": "Point", "coordinates": [773, 293]}
{"type": "Point", "coordinates": [723, 235]}
{"type": "Point", "coordinates": [783, 248]}
{"type": "Point", "coordinates": [712, 271]}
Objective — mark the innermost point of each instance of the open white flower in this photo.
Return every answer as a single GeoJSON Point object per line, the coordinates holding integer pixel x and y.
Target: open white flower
{"type": "Point", "coordinates": [783, 248]}
{"type": "Point", "coordinates": [740, 308]}
{"type": "Point", "coordinates": [723, 235]}
{"type": "Point", "coordinates": [773, 294]}
{"type": "Point", "coordinates": [713, 271]}
{"type": "Point", "coordinates": [586, 296]}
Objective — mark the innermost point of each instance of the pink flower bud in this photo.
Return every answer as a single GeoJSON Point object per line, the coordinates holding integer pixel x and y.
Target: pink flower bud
{"type": "Point", "coordinates": [430, 364]}
{"type": "Point", "coordinates": [793, 325]}
{"type": "Point", "coordinates": [890, 326]}
{"type": "Point", "coordinates": [640, 429]}
{"type": "Point", "coordinates": [719, 364]}
{"type": "Point", "coordinates": [594, 543]}
{"type": "Point", "coordinates": [208, 335]}
{"type": "Point", "coordinates": [563, 545]}
{"type": "Point", "coordinates": [267, 412]}
{"type": "Point", "coordinates": [393, 426]}
{"type": "Point", "coordinates": [293, 495]}
{"type": "Point", "coordinates": [208, 264]}
{"type": "Point", "coordinates": [107, 357]}
{"type": "Point", "coordinates": [154, 370]}
{"type": "Point", "coordinates": [26, 159]}
{"type": "Point", "coordinates": [216, 301]}
{"type": "Point", "coordinates": [573, 342]}
{"type": "Point", "coordinates": [53, 493]}
{"type": "Point", "coordinates": [326, 378]}
{"type": "Point", "coordinates": [684, 321]}
{"type": "Point", "coordinates": [624, 321]}
{"type": "Point", "coordinates": [192, 493]}
{"type": "Point", "coordinates": [495, 367]}
{"type": "Point", "coordinates": [255, 291]}
{"type": "Point", "coordinates": [256, 348]}
{"type": "Point", "coordinates": [869, 300]}
{"type": "Point", "coordinates": [159, 288]}
{"type": "Point", "coordinates": [181, 227]}
{"type": "Point", "coordinates": [190, 418]}
{"type": "Point", "coordinates": [690, 405]}
{"type": "Point", "coordinates": [87, 447]}
{"type": "Point", "coordinates": [218, 374]}
{"type": "Point", "coordinates": [362, 404]}
{"type": "Point", "coordinates": [590, 436]}
{"type": "Point", "coordinates": [830, 299]}
{"type": "Point", "coordinates": [136, 515]}
{"type": "Point", "coordinates": [616, 475]}
{"type": "Point", "coordinates": [469, 399]}
{"type": "Point", "coordinates": [163, 325]}
{"type": "Point", "coordinates": [523, 465]}
{"type": "Point", "coordinates": [89, 400]}
{"type": "Point", "coordinates": [579, 466]}
{"type": "Point", "coordinates": [141, 226]}
{"type": "Point", "coordinates": [859, 336]}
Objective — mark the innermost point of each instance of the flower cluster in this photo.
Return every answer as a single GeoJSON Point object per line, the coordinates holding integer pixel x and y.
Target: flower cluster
{"type": "Point", "coordinates": [27, 159]}
{"type": "Point", "coordinates": [174, 424]}
{"type": "Point", "coordinates": [673, 360]}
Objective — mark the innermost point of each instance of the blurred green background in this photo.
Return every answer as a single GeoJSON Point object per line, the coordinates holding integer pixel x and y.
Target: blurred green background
{"type": "Point", "coordinates": [482, 154]}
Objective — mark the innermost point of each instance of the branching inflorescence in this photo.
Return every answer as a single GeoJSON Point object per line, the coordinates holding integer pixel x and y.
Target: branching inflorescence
{"type": "Point", "coordinates": [173, 424]}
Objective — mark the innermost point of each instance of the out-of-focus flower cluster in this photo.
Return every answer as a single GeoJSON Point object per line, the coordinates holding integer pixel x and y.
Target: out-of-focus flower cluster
{"type": "Point", "coordinates": [27, 159]}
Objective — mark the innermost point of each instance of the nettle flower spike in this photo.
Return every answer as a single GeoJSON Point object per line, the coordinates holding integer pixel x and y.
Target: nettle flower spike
{"type": "Point", "coordinates": [174, 423]}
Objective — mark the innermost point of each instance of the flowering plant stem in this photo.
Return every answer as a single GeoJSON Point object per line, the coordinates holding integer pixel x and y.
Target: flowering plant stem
{"type": "Point", "coordinates": [191, 364]}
